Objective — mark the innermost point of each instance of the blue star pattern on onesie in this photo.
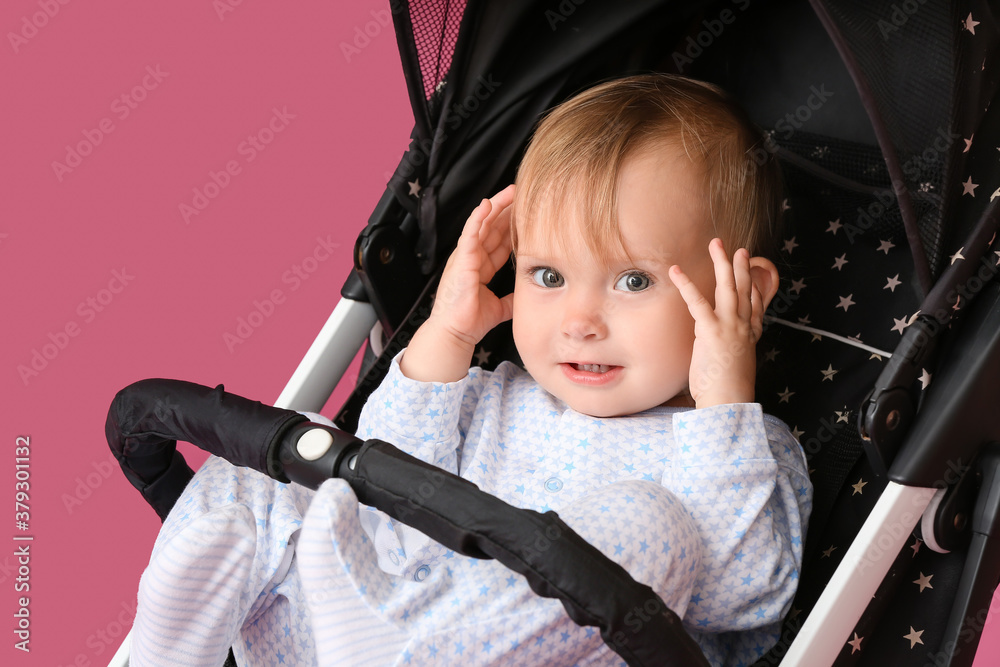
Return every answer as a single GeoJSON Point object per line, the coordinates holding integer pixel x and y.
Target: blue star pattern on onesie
{"type": "Point", "coordinates": [706, 506]}
{"type": "Point", "coordinates": [223, 573]}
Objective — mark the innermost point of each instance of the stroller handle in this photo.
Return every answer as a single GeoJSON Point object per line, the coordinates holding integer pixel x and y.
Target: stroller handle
{"type": "Point", "coordinates": [147, 418]}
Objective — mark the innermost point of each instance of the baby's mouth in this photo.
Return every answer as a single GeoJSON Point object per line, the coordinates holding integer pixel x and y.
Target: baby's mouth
{"type": "Point", "coordinates": [591, 375]}
{"type": "Point", "coordinates": [592, 368]}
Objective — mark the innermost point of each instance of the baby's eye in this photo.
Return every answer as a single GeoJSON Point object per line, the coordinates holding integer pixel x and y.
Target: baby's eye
{"type": "Point", "coordinates": [547, 277]}
{"type": "Point", "coordinates": [634, 281]}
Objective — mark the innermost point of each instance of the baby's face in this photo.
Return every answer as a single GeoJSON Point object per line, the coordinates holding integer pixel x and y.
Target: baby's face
{"type": "Point", "coordinates": [616, 340]}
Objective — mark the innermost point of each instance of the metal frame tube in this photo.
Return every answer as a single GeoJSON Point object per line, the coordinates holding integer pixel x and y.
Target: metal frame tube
{"type": "Point", "coordinates": [883, 535]}
{"type": "Point", "coordinates": [328, 357]}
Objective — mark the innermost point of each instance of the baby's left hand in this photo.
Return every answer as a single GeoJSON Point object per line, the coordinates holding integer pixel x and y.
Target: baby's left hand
{"type": "Point", "coordinates": [724, 360]}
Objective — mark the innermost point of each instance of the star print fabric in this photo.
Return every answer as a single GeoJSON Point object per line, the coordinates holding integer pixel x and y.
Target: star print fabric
{"type": "Point", "coordinates": [467, 611]}
{"type": "Point", "coordinates": [223, 574]}
{"type": "Point", "coordinates": [706, 506]}
{"type": "Point", "coordinates": [736, 474]}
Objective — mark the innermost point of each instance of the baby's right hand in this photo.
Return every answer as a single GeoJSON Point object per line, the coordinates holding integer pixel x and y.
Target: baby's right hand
{"type": "Point", "coordinates": [464, 306]}
{"type": "Point", "coordinates": [465, 309]}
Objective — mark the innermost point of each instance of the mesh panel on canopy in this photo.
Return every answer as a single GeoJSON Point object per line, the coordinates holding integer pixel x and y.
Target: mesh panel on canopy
{"type": "Point", "coordinates": [435, 31]}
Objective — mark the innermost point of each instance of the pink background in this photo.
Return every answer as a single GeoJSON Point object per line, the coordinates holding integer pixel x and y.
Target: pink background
{"type": "Point", "coordinates": [184, 284]}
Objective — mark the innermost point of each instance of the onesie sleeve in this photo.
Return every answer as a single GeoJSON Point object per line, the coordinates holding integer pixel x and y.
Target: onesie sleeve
{"type": "Point", "coordinates": [743, 478]}
{"type": "Point", "coordinates": [420, 418]}
{"type": "Point", "coordinates": [427, 420]}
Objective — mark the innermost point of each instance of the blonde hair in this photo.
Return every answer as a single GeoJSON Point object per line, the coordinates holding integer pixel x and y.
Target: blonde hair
{"type": "Point", "coordinates": [585, 141]}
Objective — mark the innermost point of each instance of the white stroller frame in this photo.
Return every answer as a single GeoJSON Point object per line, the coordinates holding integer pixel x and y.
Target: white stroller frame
{"type": "Point", "coordinates": [829, 625]}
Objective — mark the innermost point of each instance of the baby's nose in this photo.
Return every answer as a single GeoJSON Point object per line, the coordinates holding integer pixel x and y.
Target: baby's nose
{"type": "Point", "coordinates": [584, 320]}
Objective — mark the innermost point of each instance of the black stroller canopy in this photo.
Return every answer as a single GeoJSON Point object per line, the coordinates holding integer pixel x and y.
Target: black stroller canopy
{"type": "Point", "coordinates": [880, 113]}
{"type": "Point", "coordinates": [475, 109]}
{"type": "Point", "coordinates": [477, 91]}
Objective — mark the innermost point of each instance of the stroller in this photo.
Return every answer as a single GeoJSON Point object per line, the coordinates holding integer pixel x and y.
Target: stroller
{"type": "Point", "coordinates": [882, 348]}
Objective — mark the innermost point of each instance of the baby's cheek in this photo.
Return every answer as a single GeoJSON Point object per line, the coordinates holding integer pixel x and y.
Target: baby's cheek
{"type": "Point", "coordinates": [522, 334]}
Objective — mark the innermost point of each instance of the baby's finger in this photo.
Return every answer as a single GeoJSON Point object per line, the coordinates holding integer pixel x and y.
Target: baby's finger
{"type": "Point", "coordinates": [506, 307]}
{"type": "Point", "coordinates": [473, 224]}
{"type": "Point", "coordinates": [495, 229]}
{"type": "Point", "coordinates": [505, 197]}
{"type": "Point", "coordinates": [499, 208]}
{"type": "Point", "coordinates": [726, 300]}
{"type": "Point", "coordinates": [467, 253]}
{"type": "Point", "coordinates": [469, 239]}
{"type": "Point", "coordinates": [741, 272]}
{"type": "Point", "coordinates": [698, 305]}
{"type": "Point", "coordinates": [496, 224]}
{"type": "Point", "coordinates": [498, 251]}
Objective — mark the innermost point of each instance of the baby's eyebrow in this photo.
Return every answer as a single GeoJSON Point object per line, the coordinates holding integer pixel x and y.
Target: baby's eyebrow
{"type": "Point", "coordinates": [531, 257]}
{"type": "Point", "coordinates": [657, 259]}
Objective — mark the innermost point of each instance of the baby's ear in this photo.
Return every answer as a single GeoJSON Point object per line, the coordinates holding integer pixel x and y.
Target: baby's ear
{"type": "Point", "coordinates": [764, 275]}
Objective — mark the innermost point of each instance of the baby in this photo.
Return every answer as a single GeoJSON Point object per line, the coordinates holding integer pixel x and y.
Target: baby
{"type": "Point", "coordinates": [627, 313]}
{"type": "Point", "coordinates": [633, 418]}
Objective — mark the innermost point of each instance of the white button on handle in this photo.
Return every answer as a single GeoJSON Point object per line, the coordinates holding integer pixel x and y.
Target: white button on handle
{"type": "Point", "coordinates": [314, 443]}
